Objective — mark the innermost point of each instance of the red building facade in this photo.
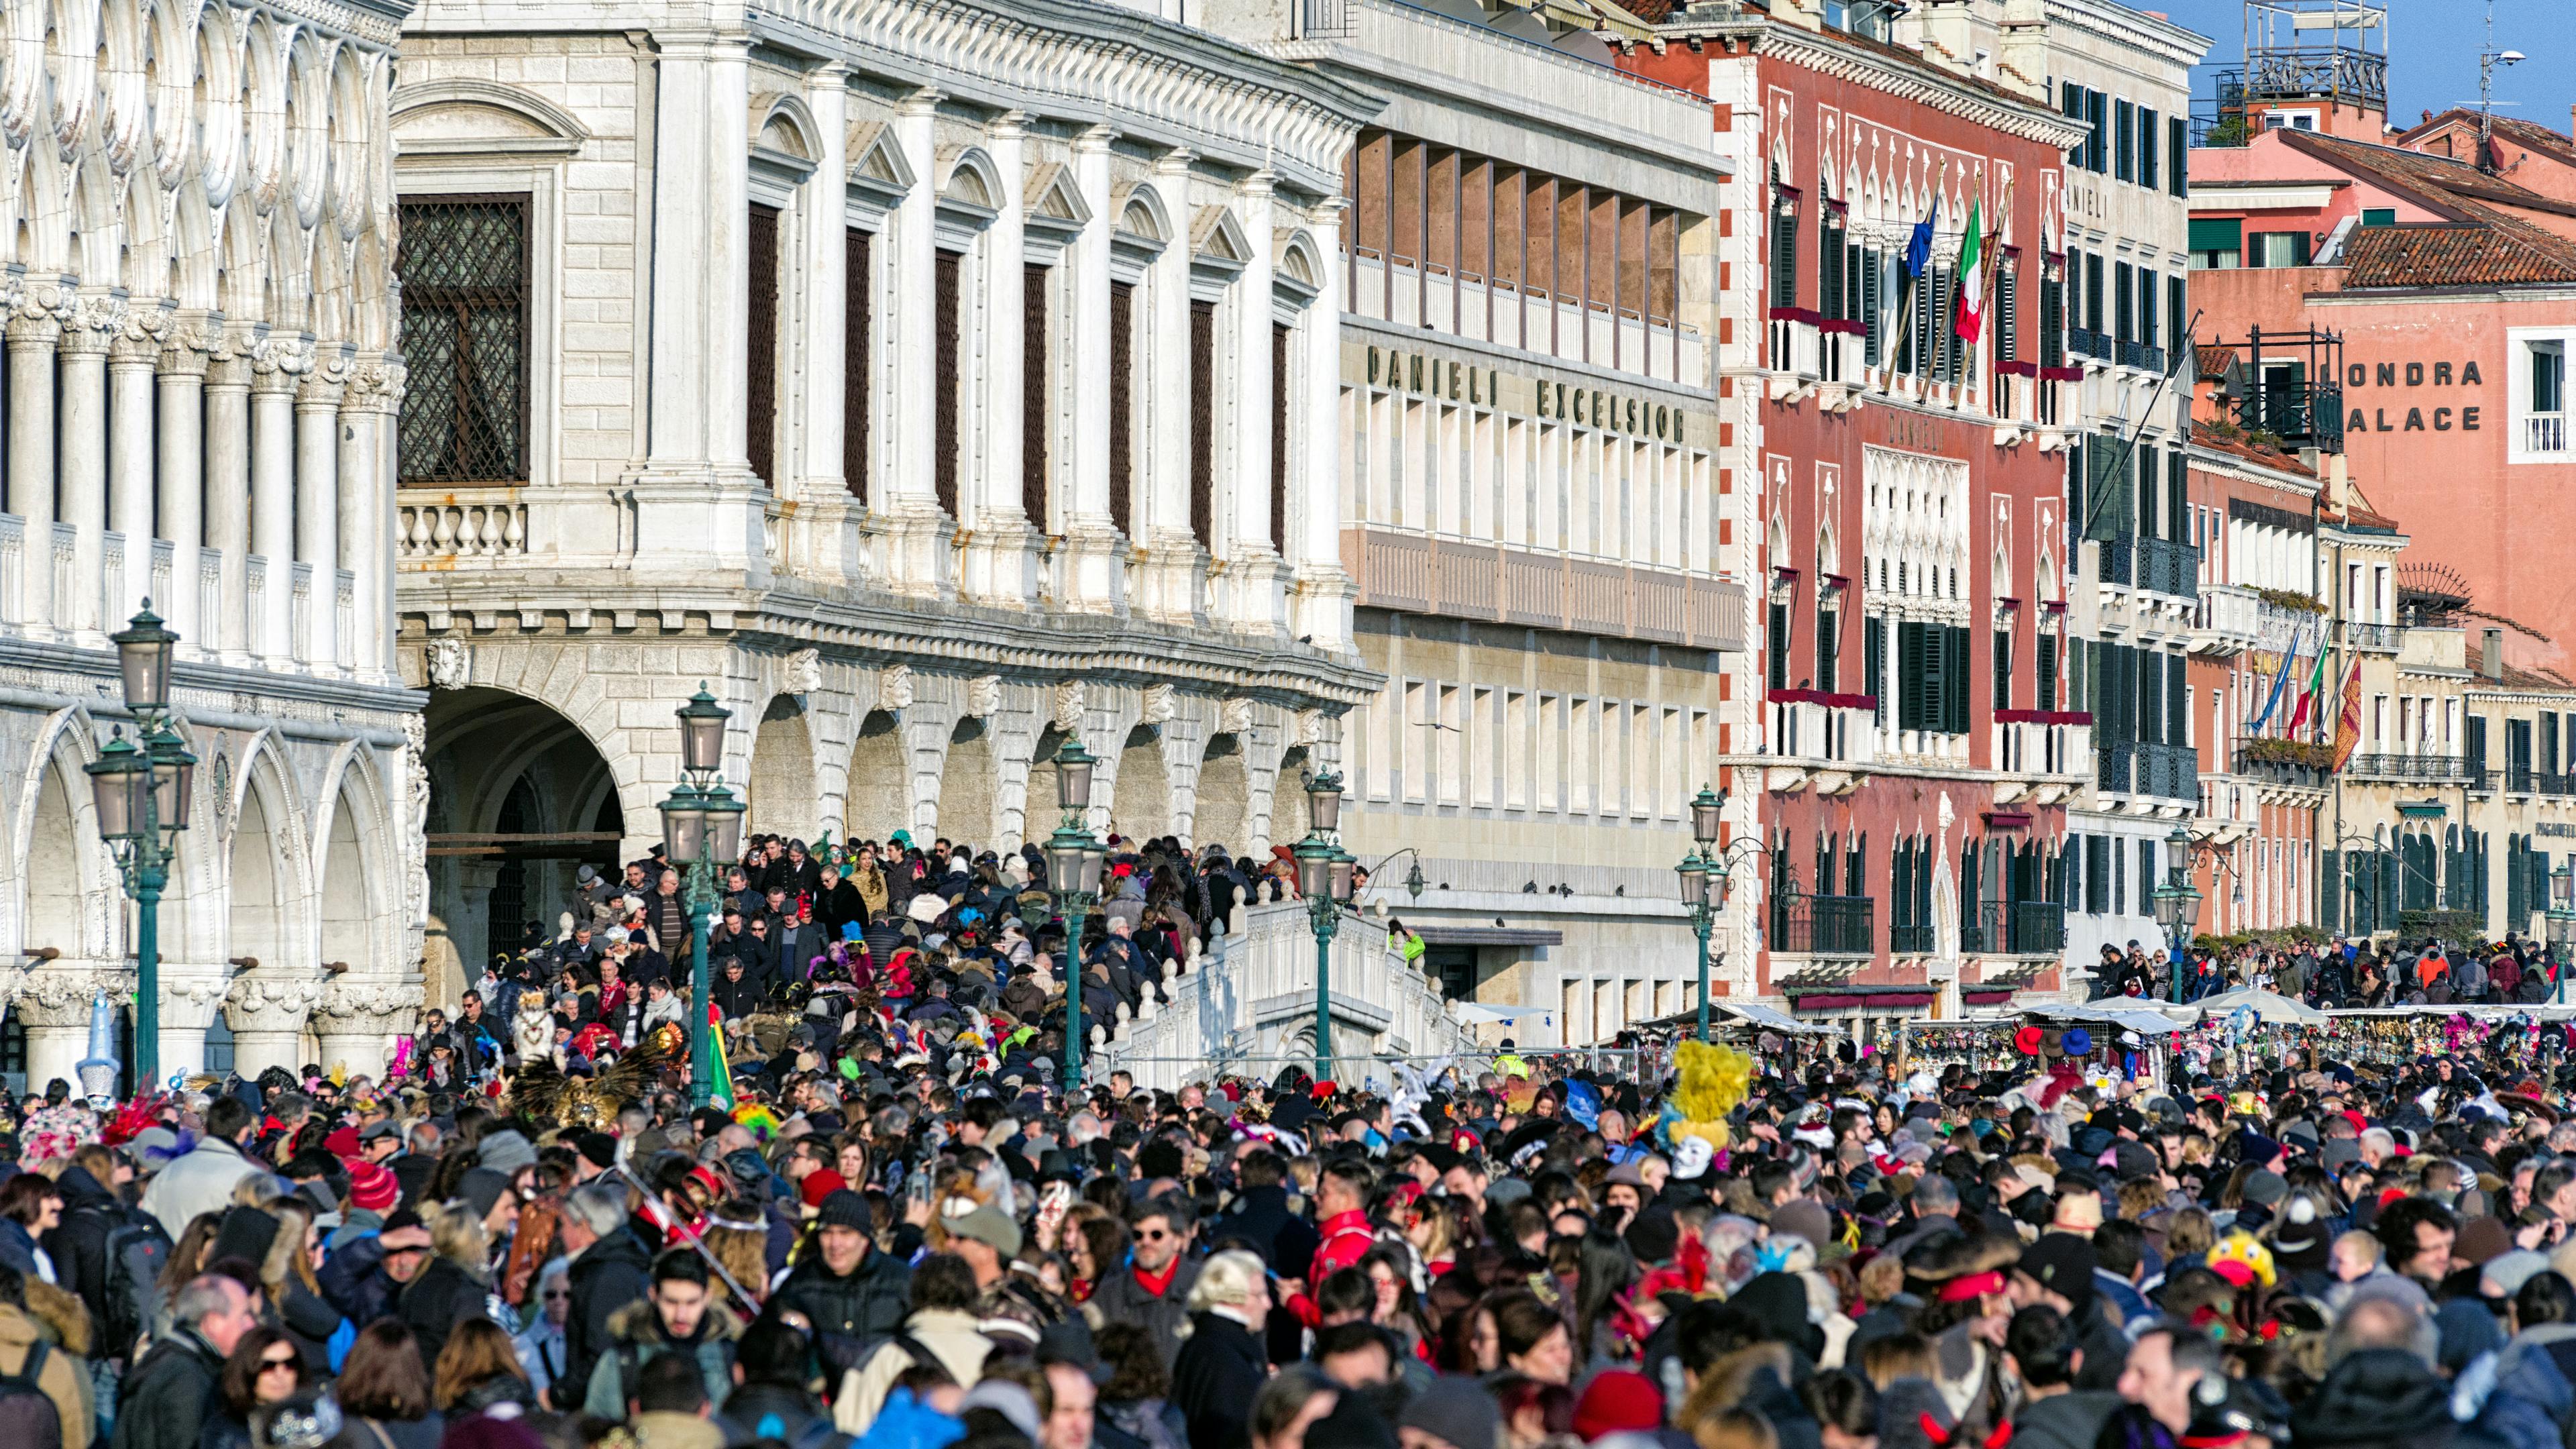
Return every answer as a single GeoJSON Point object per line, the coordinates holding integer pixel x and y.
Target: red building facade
{"type": "Point", "coordinates": [1902, 494]}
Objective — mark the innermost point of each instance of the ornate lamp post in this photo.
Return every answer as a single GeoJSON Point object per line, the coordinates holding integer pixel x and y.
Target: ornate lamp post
{"type": "Point", "coordinates": [2177, 903]}
{"type": "Point", "coordinates": [1324, 872]}
{"type": "Point", "coordinates": [2561, 923]}
{"type": "Point", "coordinates": [141, 795]}
{"type": "Point", "coordinates": [1074, 858]}
{"type": "Point", "coordinates": [1704, 879]}
{"type": "Point", "coordinates": [701, 828]}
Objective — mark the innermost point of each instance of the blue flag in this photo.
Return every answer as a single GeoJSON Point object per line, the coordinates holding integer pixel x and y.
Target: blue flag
{"type": "Point", "coordinates": [1918, 247]}
{"type": "Point", "coordinates": [2281, 681]}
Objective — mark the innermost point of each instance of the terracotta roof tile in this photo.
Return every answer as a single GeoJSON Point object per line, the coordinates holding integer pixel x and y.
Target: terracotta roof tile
{"type": "Point", "coordinates": [2453, 254]}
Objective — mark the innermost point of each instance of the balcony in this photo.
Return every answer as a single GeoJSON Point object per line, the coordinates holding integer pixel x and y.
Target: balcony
{"type": "Point", "coordinates": [2434, 769]}
{"type": "Point", "coordinates": [1824, 738]}
{"type": "Point", "coordinates": [2013, 928]}
{"type": "Point", "coordinates": [2524, 780]}
{"type": "Point", "coordinates": [2284, 762]}
{"type": "Point", "coordinates": [2118, 560]}
{"type": "Point", "coordinates": [1914, 939]}
{"type": "Point", "coordinates": [2300, 414]}
{"type": "Point", "coordinates": [2380, 638]}
{"type": "Point", "coordinates": [2233, 619]}
{"type": "Point", "coordinates": [2041, 742]}
{"type": "Point", "coordinates": [1803, 925]}
{"type": "Point", "coordinates": [2544, 433]}
{"type": "Point", "coordinates": [2164, 772]}
{"type": "Point", "coordinates": [2170, 568]}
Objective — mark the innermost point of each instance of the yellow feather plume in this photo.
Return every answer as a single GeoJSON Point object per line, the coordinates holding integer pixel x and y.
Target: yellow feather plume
{"type": "Point", "coordinates": [1711, 1082]}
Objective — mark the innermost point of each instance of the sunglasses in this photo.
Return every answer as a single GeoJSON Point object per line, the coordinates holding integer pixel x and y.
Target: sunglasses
{"type": "Point", "coordinates": [1155, 1235]}
{"type": "Point", "coordinates": [270, 1365]}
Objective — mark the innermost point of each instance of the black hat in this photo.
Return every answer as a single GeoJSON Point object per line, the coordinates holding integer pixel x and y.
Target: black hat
{"type": "Point", "coordinates": [598, 1149]}
{"type": "Point", "coordinates": [2063, 1264]}
{"type": "Point", "coordinates": [843, 1208]}
{"type": "Point", "coordinates": [2375, 1396]}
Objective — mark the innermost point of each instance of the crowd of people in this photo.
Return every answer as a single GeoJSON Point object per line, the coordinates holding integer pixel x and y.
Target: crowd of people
{"type": "Point", "coordinates": [2336, 971]}
{"type": "Point", "coordinates": [903, 1228]}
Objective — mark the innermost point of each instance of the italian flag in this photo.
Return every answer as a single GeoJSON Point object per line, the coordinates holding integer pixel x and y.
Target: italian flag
{"type": "Point", "coordinates": [723, 1068]}
{"type": "Point", "coordinates": [2315, 686]}
{"type": "Point", "coordinates": [1972, 276]}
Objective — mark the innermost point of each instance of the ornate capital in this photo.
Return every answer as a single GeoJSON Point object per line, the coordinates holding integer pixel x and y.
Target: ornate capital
{"type": "Point", "coordinates": [263, 1003]}
{"type": "Point", "coordinates": [368, 1004]}
{"type": "Point", "coordinates": [279, 362]}
{"type": "Point", "coordinates": [92, 323]}
{"type": "Point", "coordinates": [61, 995]}
{"type": "Point", "coordinates": [373, 387]}
{"type": "Point", "coordinates": [41, 306]}
{"type": "Point", "coordinates": [328, 381]}
{"type": "Point", "coordinates": [190, 1002]}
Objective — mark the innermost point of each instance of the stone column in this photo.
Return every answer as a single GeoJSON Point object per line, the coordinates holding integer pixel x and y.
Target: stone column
{"type": "Point", "coordinates": [317, 500]}
{"type": "Point", "coordinates": [276, 371]}
{"type": "Point", "coordinates": [1322, 608]}
{"type": "Point", "coordinates": [188, 1006]}
{"type": "Point", "coordinates": [81, 437]}
{"type": "Point", "coordinates": [54, 1007]}
{"type": "Point", "coordinates": [366, 542]}
{"type": "Point", "coordinates": [1093, 578]}
{"type": "Point", "coordinates": [35, 334]}
{"type": "Point", "coordinates": [907, 511]}
{"type": "Point", "coordinates": [824, 527]}
{"type": "Point", "coordinates": [131, 363]}
{"type": "Point", "coordinates": [359, 1018]}
{"type": "Point", "coordinates": [1253, 602]}
{"type": "Point", "coordinates": [227, 490]}
{"type": "Point", "coordinates": [268, 1016]}
{"type": "Point", "coordinates": [1160, 511]}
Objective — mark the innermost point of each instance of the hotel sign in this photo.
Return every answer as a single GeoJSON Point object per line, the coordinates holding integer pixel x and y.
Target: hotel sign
{"type": "Point", "coordinates": [1637, 415]}
{"type": "Point", "coordinates": [2412, 416]}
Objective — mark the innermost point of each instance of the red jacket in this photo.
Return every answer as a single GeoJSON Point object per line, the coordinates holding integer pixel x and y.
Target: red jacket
{"type": "Point", "coordinates": [1347, 1239]}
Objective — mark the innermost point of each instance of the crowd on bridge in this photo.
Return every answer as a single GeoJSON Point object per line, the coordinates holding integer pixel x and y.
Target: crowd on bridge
{"type": "Point", "coordinates": [900, 1220]}
{"type": "Point", "coordinates": [2338, 971]}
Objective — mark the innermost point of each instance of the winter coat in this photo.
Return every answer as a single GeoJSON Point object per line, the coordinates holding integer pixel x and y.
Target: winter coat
{"type": "Point", "coordinates": [445, 1294]}
{"type": "Point", "coordinates": [78, 1244]}
{"type": "Point", "coordinates": [770, 1411]}
{"type": "Point", "coordinates": [200, 1182]}
{"type": "Point", "coordinates": [636, 1338]}
{"type": "Point", "coordinates": [1214, 1381]}
{"type": "Point", "coordinates": [1121, 1298]}
{"type": "Point", "coordinates": [607, 1276]}
{"type": "Point", "coordinates": [851, 1314]}
{"type": "Point", "coordinates": [1140, 1424]}
{"type": "Point", "coordinates": [166, 1399]}
{"type": "Point", "coordinates": [2063, 1421]}
{"type": "Point", "coordinates": [1262, 1217]}
{"type": "Point", "coordinates": [64, 1377]}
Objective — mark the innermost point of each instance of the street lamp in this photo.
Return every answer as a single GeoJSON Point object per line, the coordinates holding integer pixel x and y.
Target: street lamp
{"type": "Point", "coordinates": [701, 827]}
{"type": "Point", "coordinates": [1323, 877]}
{"type": "Point", "coordinates": [2561, 923]}
{"type": "Point", "coordinates": [2177, 902]}
{"type": "Point", "coordinates": [140, 793]}
{"type": "Point", "coordinates": [1703, 876]}
{"type": "Point", "coordinates": [1074, 858]}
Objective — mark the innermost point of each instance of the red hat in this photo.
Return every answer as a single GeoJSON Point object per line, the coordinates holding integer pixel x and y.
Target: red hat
{"type": "Point", "coordinates": [343, 1143]}
{"type": "Point", "coordinates": [820, 1185]}
{"type": "Point", "coordinates": [2027, 1041]}
{"type": "Point", "coordinates": [372, 1186]}
{"type": "Point", "coordinates": [1618, 1399]}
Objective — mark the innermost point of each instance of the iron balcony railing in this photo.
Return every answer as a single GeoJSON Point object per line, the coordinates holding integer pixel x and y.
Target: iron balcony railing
{"type": "Point", "coordinates": [1824, 925]}
{"type": "Point", "coordinates": [2168, 772]}
{"type": "Point", "coordinates": [2385, 637]}
{"type": "Point", "coordinates": [2300, 414]}
{"type": "Point", "coordinates": [2014, 928]}
{"type": "Point", "coordinates": [2115, 761]}
{"type": "Point", "coordinates": [1911, 939]}
{"type": "Point", "coordinates": [2119, 555]}
{"type": "Point", "coordinates": [2446, 769]}
{"type": "Point", "coordinates": [2167, 567]}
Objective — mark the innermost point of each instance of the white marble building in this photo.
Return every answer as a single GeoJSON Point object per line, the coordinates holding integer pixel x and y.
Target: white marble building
{"type": "Point", "coordinates": [935, 379]}
{"type": "Point", "coordinates": [200, 396]}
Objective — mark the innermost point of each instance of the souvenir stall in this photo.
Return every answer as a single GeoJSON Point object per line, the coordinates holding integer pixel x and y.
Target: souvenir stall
{"type": "Point", "coordinates": [2124, 1041]}
{"type": "Point", "coordinates": [2394, 1035]}
{"type": "Point", "coordinates": [1984, 1043]}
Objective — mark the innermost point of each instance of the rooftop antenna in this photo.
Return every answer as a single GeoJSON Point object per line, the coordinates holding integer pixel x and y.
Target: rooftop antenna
{"type": "Point", "coordinates": [2488, 59]}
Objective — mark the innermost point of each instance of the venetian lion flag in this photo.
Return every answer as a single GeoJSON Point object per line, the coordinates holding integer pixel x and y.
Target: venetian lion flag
{"type": "Point", "coordinates": [1972, 276]}
{"type": "Point", "coordinates": [2348, 722]}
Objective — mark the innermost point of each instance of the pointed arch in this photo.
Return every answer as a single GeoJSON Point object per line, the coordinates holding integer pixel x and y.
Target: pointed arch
{"type": "Point", "coordinates": [267, 869]}
{"type": "Point", "coordinates": [355, 875]}
{"type": "Point", "coordinates": [61, 889]}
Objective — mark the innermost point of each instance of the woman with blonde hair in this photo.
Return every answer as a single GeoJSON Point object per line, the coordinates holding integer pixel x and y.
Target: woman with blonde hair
{"type": "Point", "coordinates": [739, 1240]}
{"type": "Point", "coordinates": [479, 1373]}
{"type": "Point", "coordinates": [287, 1275]}
{"type": "Point", "coordinates": [1222, 1365]}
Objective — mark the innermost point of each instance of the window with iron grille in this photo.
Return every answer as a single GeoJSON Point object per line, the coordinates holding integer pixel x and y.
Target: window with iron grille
{"type": "Point", "coordinates": [760, 427]}
{"type": "Point", "coordinates": [1279, 436]}
{"type": "Point", "coordinates": [858, 309]}
{"type": "Point", "coordinates": [943, 403]}
{"type": "Point", "coordinates": [464, 269]}
{"type": "Point", "coordinates": [1203, 422]}
{"type": "Point", "coordinates": [1122, 404]}
{"type": "Point", "coordinates": [1036, 366]}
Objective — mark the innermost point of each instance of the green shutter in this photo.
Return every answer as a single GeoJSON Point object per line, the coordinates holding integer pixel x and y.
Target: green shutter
{"type": "Point", "coordinates": [2218, 234]}
{"type": "Point", "coordinates": [2370, 216]}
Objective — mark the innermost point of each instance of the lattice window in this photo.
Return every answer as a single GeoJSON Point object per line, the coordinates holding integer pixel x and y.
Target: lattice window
{"type": "Point", "coordinates": [760, 425]}
{"type": "Point", "coordinates": [1122, 403]}
{"type": "Point", "coordinates": [1036, 366]}
{"type": "Point", "coordinates": [858, 311]}
{"type": "Point", "coordinates": [945, 282]}
{"type": "Point", "coordinates": [1203, 421]}
{"type": "Point", "coordinates": [464, 267]}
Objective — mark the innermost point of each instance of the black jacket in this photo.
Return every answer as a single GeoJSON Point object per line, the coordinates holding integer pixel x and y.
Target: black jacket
{"type": "Point", "coordinates": [311, 1321]}
{"type": "Point", "coordinates": [609, 1274]}
{"type": "Point", "coordinates": [444, 1295]}
{"type": "Point", "coordinates": [1261, 1217]}
{"type": "Point", "coordinates": [852, 1314]}
{"type": "Point", "coordinates": [1122, 1299]}
{"type": "Point", "coordinates": [78, 1244]}
{"type": "Point", "coordinates": [167, 1399]}
{"type": "Point", "coordinates": [1219, 1372]}
{"type": "Point", "coordinates": [759, 1411]}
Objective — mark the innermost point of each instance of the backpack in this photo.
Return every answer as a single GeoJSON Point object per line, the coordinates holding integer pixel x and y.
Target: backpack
{"type": "Point", "coordinates": [28, 1418]}
{"type": "Point", "coordinates": [137, 1251]}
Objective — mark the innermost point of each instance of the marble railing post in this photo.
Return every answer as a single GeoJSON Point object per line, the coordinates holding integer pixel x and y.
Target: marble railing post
{"type": "Point", "coordinates": [276, 370]}
{"type": "Point", "coordinates": [35, 335]}
{"type": "Point", "coordinates": [227, 493]}
{"type": "Point", "coordinates": [181, 479]}
{"type": "Point", "coordinates": [317, 499]}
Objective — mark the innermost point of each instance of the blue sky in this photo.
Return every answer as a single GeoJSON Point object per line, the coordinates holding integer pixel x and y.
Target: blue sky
{"type": "Point", "coordinates": [2433, 52]}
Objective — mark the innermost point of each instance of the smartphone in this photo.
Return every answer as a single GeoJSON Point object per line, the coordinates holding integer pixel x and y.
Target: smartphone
{"type": "Point", "coordinates": [918, 1186]}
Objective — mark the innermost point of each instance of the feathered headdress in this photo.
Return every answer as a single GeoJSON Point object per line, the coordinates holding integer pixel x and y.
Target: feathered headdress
{"type": "Point", "coordinates": [544, 1094]}
{"type": "Point", "coordinates": [1710, 1082]}
{"type": "Point", "coordinates": [131, 1118]}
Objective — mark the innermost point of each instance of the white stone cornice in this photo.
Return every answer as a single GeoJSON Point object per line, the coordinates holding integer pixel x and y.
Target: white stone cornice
{"type": "Point", "coordinates": [1069, 59]}
{"type": "Point", "coordinates": [1921, 83]}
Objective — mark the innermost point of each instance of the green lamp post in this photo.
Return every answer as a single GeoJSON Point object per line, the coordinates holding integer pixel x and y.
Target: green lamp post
{"type": "Point", "coordinates": [701, 829]}
{"type": "Point", "coordinates": [141, 796]}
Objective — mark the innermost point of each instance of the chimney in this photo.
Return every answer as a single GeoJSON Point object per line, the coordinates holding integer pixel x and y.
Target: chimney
{"type": "Point", "coordinates": [2021, 53]}
{"type": "Point", "coordinates": [1804, 14]}
{"type": "Point", "coordinates": [2491, 652]}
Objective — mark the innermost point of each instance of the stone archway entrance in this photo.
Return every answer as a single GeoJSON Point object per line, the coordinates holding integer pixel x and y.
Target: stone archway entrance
{"type": "Point", "coordinates": [880, 789]}
{"type": "Point", "coordinates": [519, 800]}
{"type": "Point", "coordinates": [1224, 797]}
{"type": "Point", "coordinates": [1142, 805]}
{"type": "Point", "coordinates": [784, 798]}
{"type": "Point", "coordinates": [970, 788]}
